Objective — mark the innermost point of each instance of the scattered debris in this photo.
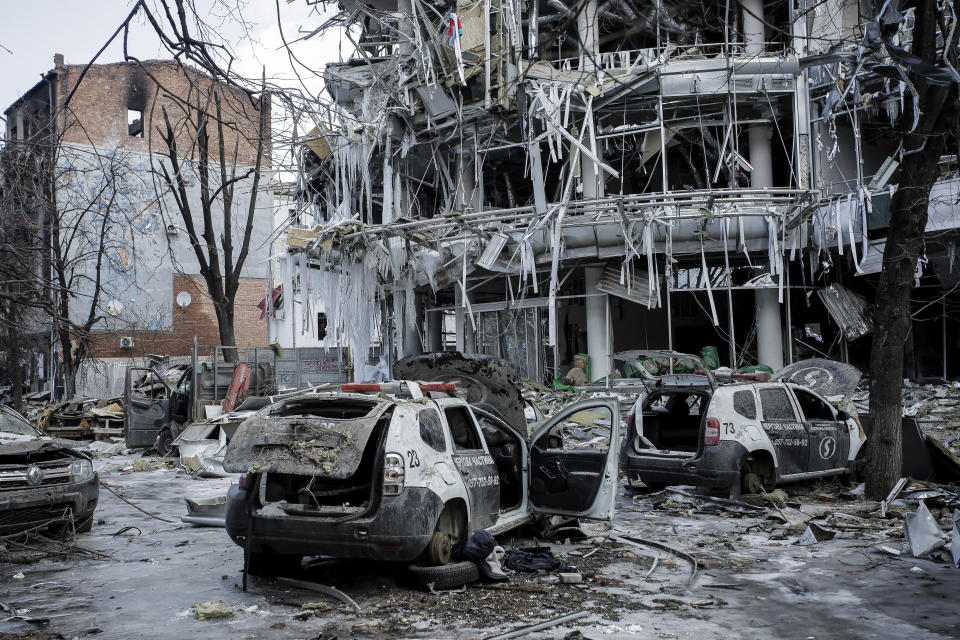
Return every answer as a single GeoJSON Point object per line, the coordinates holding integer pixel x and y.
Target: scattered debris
{"type": "Point", "coordinates": [540, 626]}
{"type": "Point", "coordinates": [814, 534]}
{"type": "Point", "coordinates": [320, 588]}
{"type": "Point", "coordinates": [206, 512]}
{"type": "Point", "coordinates": [922, 532]}
{"type": "Point", "coordinates": [216, 610]}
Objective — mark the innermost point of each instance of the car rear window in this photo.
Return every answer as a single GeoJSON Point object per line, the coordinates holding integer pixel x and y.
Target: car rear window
{"type": "Point", "coordinates": [776, 405]}
{"type": "Point", "coordinates": [744, 404]}
{"type": "Point", "coordinates": [431, 430]}
{"type": "Point", "coordinates": [322, 408]}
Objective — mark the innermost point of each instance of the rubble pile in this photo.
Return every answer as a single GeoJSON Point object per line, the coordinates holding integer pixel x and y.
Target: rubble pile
{"type": "Point", "coordinates": [936, 409]}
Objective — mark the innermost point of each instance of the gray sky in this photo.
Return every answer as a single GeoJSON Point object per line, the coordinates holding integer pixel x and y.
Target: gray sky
{"type": "Point", "coordinates": [33, 30]}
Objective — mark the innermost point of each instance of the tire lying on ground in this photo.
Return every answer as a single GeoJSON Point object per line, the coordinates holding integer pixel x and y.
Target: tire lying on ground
{"type": "Point", "coordinates": [447, 576]}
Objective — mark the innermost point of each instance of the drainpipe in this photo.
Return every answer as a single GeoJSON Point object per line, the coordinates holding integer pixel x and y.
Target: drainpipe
{"type": "Point", "coordinates": [769, 325]}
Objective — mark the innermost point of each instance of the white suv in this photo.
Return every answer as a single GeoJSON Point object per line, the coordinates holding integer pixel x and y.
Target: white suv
{"type": "Point", "coordinates": [746, 435]}
{"type": "Point", "coordinates": [403, 471]}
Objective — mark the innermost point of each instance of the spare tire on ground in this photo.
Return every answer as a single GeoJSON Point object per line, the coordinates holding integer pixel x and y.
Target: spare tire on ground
{"type": "Point", "coordinates": [447, 576]}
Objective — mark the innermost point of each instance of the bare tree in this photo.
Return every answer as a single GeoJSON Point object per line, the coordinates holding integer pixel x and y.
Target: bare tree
{"type": "Point", "coordinates": [204, 119]}
{"type": "Point", "coordinates": [60, 217]}
{"type": "Point", "coordinates": [936, 116]}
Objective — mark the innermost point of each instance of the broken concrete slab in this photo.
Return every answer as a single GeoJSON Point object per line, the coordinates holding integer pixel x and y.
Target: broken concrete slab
{"type": "Point", "coordinates": [216, 610]}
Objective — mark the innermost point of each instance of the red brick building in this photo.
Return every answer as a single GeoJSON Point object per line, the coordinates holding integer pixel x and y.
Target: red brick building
{"type": "Point", "coordinates": [121, 111]}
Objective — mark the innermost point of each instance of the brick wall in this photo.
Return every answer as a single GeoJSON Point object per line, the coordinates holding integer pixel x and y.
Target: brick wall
{"type": "Point", "coordinates": [198, 319]}
{"type": "Point", "coordinates": [97, 112]}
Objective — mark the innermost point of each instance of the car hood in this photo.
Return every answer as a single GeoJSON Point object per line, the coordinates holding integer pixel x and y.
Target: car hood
{"type": "Point", "coordinates": [302, 444]}
{"type": "Point", "coordinates": [490, 383]}
{"type": "Point", "coordinates": [826, 377]}
{"type": "Point", "coordinates": [14, 444]}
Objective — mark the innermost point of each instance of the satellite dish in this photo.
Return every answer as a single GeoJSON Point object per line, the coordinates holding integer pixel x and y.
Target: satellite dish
{"type": "Point", "coordinates": [184, 299]}
{"type": "Point", "coordinates": [114, 307]}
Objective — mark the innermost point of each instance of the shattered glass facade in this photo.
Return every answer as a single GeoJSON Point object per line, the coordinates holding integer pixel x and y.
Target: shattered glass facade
{"type": "Point", "coordinates": [642, 174]}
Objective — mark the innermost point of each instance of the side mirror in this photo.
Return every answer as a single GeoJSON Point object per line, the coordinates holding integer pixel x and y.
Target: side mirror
{"type": "Point", "coordinates": [842, 415]}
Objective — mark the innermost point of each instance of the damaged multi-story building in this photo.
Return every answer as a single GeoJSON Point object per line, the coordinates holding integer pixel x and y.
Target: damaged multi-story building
{"type": "Point", "coordinates": [97, 131]}
{"type": "Point", "coordinates": [540, 178]}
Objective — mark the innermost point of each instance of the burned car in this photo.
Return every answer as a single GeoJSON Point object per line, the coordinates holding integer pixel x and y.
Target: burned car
{"type": "Point", "coordinates": [743, 436]}
{"type": "Point", "coordinates": [158, 403]}
{"type": "Point", "coordinates": [202, 444]}
{"type": "Point", "coordinates": [44, 482]}
{"type": "Point", "coordinates": [406, 471]}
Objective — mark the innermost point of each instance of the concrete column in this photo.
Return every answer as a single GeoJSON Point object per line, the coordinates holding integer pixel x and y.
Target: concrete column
{"type": "Point", "coordinates": [406, 14]}
{"type": "Point", "coordinates": [589, 50]}
{"type": "Point", "coordinates": [753, 34]}
{"type": "Point", "coordinates": [412, 339]}
{"type": "Point", "coordinates": [769, 325]}
{"type": "Point", "coordinates": [769, 330]}
{"type": "Point", "coordinates": [434, 330]}
{"type": "Point", "coordinates": [467, 193]}
{"type": "Point", "coordinates": [466, 342]}
{"type": "Point", "coordinates": [598, 331]}
{"type": "Point", "coordinates": [587, 27]}
{"type": "Point", "coordinates": [759, 136]}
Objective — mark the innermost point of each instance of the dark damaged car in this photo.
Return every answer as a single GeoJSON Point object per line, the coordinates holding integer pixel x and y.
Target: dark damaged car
{"type": "Point", "coordinates": [405, 471]}
{"type": "Point", "coordinates": [44, 482]}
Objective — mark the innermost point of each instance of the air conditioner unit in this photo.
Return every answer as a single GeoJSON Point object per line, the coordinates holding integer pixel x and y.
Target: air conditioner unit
{"type": "Point", "coordinates": [126, 342]}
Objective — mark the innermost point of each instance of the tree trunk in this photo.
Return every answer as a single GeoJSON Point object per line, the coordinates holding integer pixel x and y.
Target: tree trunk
{"type": "Point", "coordinates": [68, 366]}
{"type": "Point", "coordinates": [225, 327]}
{"type": "Point", "coordinates": [908, 220]}
{"type": "Point", "coordinates": [891, 317]}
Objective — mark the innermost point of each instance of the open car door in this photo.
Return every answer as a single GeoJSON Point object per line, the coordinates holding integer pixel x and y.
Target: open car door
{"type": "Point", "coordinates": [146, 406]}
{"type": "Point", "coordinates": [573, 461]}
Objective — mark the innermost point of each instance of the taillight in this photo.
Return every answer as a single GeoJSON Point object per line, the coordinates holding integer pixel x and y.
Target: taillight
{"type": "Point", "coordinates": [247, 481]}
{"type": "Point", "coordinates": [629, 425]}
{"type": "Point", "coordinates": [711, 435]}
{"type": "Point", "coordinates": [393, 474]}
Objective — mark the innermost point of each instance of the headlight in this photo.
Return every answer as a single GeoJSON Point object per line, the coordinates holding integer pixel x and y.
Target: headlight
{"type": "Point", "coordinates": [81, 469]}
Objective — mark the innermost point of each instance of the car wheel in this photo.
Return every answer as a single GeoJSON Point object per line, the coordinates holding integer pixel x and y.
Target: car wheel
{"type": "Point", "coordinates": [751, 483]}
{"type": "Point", "coordinates": [85, 525]}
{"type": "Point", "coordinates": [440, 548]}
{"type": "Point", "coordinates": [757, 474]}
{"type": "Point", "coordinates": [448, 576]}
{"type": "Point", "coordinates": [264, 563]}
{"type": "Point", "coordinates": [165, 443]}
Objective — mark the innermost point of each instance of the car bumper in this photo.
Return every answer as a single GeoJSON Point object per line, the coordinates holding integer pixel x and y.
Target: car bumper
{"type": "Point", "coordinates": [716, 467]}
{"type": "Point", "coordinates": [27, 508]}
{"type": "Point", "coordinates": [399, 530]}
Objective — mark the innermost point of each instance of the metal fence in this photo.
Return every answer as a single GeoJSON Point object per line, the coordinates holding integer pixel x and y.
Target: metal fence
{"type": "Point", "coordinates": [295, 369]}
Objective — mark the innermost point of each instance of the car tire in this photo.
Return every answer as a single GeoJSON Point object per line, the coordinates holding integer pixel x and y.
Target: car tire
{"type": "Point", "coordinates": [62, 529]}
{"type": "Point", "coordinates": [448, 576]}
{"type": "Point", "coordinates": [266, 564]}
{"type": "Point", "coordinates": [164, 445]}
{"type": "Point", "coordinates": [85, 525]}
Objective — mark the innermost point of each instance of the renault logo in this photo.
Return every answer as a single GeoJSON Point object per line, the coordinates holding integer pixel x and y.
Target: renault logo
{"type": "Point", "coordinates": [34, 474]}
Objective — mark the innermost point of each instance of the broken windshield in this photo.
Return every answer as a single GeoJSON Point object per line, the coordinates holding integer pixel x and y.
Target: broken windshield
{"type": "Point", "coordinates": [333, 408]}
{"type": "Point", "coordinates": [12, 424]}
